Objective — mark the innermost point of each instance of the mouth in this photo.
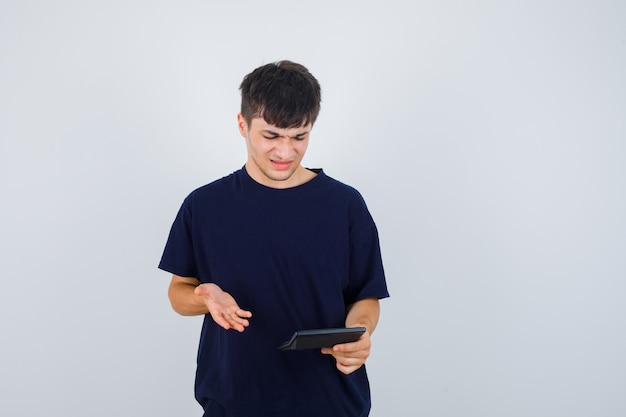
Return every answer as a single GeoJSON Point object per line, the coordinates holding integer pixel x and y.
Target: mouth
{"type": "Point", "coordinates": [281, 165]}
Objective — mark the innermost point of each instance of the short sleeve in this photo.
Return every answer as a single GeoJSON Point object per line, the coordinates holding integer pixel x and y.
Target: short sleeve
{"type": "Point", "coordinates": [367, 276]}
{"type": "Point", "coordinates": [178, 255]}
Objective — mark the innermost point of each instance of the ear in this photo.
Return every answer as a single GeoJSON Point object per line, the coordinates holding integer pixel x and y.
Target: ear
{"type": "Point", "coordinates": [242, 125]}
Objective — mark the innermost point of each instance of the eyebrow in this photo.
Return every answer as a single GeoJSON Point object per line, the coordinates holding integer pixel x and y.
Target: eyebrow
{"type": "Point", "coordinates": [273, 133]}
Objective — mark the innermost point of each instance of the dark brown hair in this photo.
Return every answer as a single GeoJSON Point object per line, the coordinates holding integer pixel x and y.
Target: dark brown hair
{"type": "Point", "coordinates": [285, 94]}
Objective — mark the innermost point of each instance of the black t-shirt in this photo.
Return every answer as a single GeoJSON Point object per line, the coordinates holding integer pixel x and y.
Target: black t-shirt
{"type": "Point", "coordinates": [295, 258]}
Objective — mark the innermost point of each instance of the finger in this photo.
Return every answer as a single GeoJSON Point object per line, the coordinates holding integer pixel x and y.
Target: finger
{"type": "Point", "coordinates": [352, 359]}
{"type": "Point", "coordinates": [348, 365]}
{"type": "Point", "coordinates": [347, 369]}
{"type": "Point", "coordinates": [221, 321]}
{"type": "Point", "coordinates": [237, 322]}
{"type": "Point", "coordinates": [201, 290]}
{"type": "Point", "coordinates": [351, 362]}
{"type": "Point", "coordinates": [240, 316]}
{"type": "Point", "coordinates": [243, 313]}
{"type": "Point", "coordinates": [345, 364]}
{"type": "Point", "coordinates": [229, 321]}
{"type": "Point", "coordinates": [357, 346]}
{"type": "Point", "coordinates": [235, 325]}
{"type": "Point", "coordinates": [238, 327]}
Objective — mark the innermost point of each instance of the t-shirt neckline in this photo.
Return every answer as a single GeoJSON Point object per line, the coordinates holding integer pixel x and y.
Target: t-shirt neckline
{"type": "Point", "coordinates": [309, 183]}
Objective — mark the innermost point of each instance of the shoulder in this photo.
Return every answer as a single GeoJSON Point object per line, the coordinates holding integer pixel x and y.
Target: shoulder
{"type": "Point", "coordinates": [214, 188]}
{"type": "Point", "coordinates": [337, 186]}
{"type": "Point", "coordinates": [344, 192]}
{"type": "Point", "coordinates": [209, 194]}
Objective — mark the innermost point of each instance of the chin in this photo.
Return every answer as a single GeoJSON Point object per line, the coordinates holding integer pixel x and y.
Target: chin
{"type": "Point", "coordinates": [279, 175]}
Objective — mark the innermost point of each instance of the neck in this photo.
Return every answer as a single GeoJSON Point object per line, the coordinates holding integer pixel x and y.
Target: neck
{"type": "Point", "coordinates": [299, 176]}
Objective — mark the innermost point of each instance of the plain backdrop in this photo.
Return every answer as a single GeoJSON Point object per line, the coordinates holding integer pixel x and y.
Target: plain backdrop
{"type": "Point", "coordinates": [487, 137]}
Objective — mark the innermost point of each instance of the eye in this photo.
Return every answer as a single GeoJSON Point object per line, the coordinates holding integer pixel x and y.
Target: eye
{"type": "Point", "coordinates": [269, 137]}
{"type": "Point", "coordinates": [300, 138]}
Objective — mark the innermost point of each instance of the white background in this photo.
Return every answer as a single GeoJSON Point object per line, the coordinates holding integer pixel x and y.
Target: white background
{"type": "Point", "coordinates": [488, 139]}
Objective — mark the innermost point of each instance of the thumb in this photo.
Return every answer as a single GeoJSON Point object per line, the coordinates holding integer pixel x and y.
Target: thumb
{"type": "Point", "coordinates": [201, 290]}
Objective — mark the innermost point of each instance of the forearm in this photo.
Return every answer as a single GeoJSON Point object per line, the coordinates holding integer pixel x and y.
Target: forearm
{"type": "Point", "coordinates": [364, 313]}
{"type": "Point", "coordinates": [183, 299]}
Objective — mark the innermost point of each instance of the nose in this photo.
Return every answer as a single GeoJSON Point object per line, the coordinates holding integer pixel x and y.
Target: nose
{"type": "Point", "coordinates": [283, 148]}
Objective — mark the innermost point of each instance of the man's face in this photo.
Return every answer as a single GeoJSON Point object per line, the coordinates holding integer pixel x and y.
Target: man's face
{"type": "Point", "coordinates": [274, 154]}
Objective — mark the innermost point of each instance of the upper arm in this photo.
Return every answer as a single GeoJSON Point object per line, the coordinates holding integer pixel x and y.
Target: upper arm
{"type": "Point", "coordinates": [184, 280]}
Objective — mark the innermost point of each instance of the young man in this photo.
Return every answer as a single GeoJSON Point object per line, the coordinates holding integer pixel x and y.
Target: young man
{"type": "Point", "coordinates": [271, 249]}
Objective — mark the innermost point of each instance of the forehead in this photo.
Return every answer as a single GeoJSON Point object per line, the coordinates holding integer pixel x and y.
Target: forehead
{"type": "Point", "coordinates": [259, 123]}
